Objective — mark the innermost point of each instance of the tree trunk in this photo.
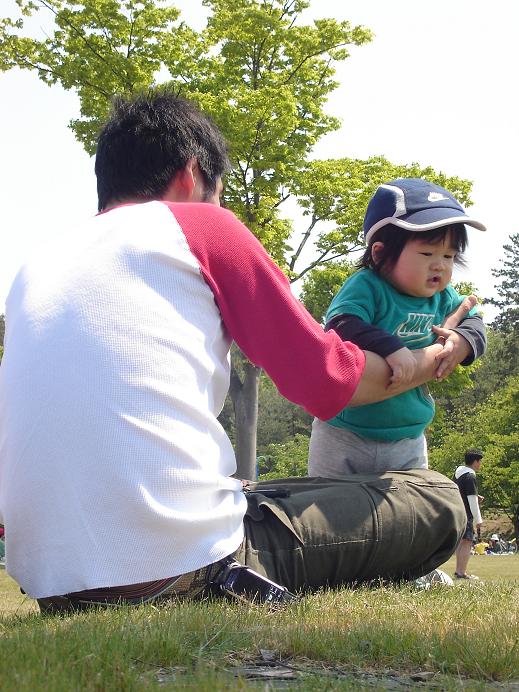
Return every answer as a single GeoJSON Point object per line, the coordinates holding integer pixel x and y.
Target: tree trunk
{"type": "Point", "coordinates": [244, 394]}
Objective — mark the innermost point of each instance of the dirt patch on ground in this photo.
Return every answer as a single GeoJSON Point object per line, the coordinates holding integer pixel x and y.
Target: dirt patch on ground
{"type": "Point", "coordinates": [499, 524]}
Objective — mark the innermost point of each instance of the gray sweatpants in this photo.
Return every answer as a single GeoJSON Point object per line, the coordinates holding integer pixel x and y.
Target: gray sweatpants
{"type": "Point", "coordinates": [337, 452]}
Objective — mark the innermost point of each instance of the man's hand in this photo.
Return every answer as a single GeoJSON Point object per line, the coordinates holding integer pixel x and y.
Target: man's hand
{"type": "Point", "coordinates": [455, 347]}
{"type": "Point", "coordinates": [403, 365]}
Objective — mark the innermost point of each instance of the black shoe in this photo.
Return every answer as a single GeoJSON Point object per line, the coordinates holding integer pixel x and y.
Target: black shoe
{"type": "Point", "coordinates": [466, 576]}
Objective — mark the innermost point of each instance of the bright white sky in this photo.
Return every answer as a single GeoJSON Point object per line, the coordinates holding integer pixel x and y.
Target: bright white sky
{"type": "Point", "coordinates": [437, 85]}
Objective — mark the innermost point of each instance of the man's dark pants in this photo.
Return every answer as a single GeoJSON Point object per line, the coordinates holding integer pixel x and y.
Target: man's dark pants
{"type": "Point", "coordinates": [398, 525]}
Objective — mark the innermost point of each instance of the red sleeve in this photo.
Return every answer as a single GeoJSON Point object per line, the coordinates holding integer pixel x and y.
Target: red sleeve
{"type": "Point", "coordinates": [314, 369]}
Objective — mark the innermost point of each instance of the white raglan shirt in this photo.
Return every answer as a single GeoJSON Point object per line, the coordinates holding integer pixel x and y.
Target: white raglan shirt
{"type": "Point", "coordinates": [113, 466]}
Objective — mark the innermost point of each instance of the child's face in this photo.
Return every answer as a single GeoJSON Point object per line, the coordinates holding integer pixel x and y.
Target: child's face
{"type": "Point", "coordinates": [423, 268]}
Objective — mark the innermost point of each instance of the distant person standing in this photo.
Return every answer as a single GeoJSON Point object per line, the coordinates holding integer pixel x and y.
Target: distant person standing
{"type": "Point", "coordinates": [2, 546]}
{"type": "Point", "coordinates": [465, 479]}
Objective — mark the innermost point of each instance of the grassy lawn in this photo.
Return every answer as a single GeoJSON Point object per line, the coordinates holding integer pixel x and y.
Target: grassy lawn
{"type": "Point", "coordinates": [447, 638]}
{"type": "Point", "coordinates": [490, 568]}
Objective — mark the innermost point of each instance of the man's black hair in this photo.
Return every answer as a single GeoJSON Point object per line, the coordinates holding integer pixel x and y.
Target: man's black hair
{"type": "Point", "coordinates": [395, 239]}
{"type": "Point", "coordinates": [148, 139]}
{"type": "Point", "coordinates": [472, 455]}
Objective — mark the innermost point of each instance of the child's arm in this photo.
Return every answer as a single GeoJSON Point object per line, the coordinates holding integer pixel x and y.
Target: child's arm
{"type": "Point", "coordinates": [367, 336]}
{"type": "Point", "coordinates": [403, 366]}
{"type": "Point", "coordinates": [463, 338]}
{"type": "Point", "coordinates": [371, 338]}
{"type": "Point", "coordinates": [457, 316]}
{"type": "Point", "coordinates": [373, 385]}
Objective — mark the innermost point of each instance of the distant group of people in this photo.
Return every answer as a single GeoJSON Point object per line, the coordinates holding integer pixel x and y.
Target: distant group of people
{"type": "Point", "coordinates": [117, 480]}
{"type": "Point", "coordinates": [495, 545]}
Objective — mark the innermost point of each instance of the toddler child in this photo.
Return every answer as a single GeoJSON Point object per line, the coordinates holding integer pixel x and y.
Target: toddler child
{"type": "Point", "coordinates": [415, 233]}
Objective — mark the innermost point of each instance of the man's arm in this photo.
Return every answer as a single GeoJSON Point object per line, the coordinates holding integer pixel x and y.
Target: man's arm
{"type": "Point", "coordinates": [312, 368]}
{"type": "Point", "coordinates": [474, 508]}
{"type": "Point", "coordinates": [309, 366]}
{"type": "Point", "coordinates": [471, 491]}
{"type": "Point", "coordinates": [375, 385]}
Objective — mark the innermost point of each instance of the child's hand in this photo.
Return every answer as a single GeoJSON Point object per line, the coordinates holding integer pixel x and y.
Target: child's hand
{"type": "Point", "coordinates": [455, 347]}
{"type": "Point", "coordinates": [403, 365]}
{"type": "Point", "coordinates": [460, 313]}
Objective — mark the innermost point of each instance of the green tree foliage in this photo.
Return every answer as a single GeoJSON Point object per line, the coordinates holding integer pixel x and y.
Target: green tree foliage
{"type": "Point", "coordinates": [266, 88]}
{"type": "Point", "coordinates": [2, 332]}
{"type": "Point", "coordinates": [489, 374]}
{"type": "Point", "coordinates": [453, 389]}
{"type": "Point", "coordinates": [492, 426]}
{"type": "Point", "coordinates": [507, 288]}
{"type": "Point", "coordinates": [264, 76]}
{"type": "Point", "coordinates": [97, 48]}
{"type": "Point", "coordinates": [289, 458]}
{"type": "Point", "coordinates": [279, 420]}
{"type": "Point", "coordinates": [321, 284]}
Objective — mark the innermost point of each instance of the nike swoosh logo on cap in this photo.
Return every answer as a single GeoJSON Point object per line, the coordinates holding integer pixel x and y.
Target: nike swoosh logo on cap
{"type": "Point", "coordinates": [436, 196]}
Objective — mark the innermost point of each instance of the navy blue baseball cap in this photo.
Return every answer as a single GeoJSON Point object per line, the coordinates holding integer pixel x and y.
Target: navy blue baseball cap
{"type": "Point", "coordinates": [416, 205]}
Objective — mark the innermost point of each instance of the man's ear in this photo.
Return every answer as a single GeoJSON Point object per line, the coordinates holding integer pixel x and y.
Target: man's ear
{"type": "Point", "coordinates": [376, 251]}
{"type": "Point", "coordinates": [183, 183]}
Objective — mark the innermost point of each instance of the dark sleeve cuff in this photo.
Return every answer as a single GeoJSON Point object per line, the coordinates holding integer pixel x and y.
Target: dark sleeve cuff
{"type": "Point", "coordinates": [473, 330]}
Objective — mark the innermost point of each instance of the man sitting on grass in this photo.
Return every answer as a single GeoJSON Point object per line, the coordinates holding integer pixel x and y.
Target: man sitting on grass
{"type": "Point", "coordinates": [116, 478]}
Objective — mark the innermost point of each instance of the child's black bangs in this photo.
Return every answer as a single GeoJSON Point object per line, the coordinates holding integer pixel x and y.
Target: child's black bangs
{"type": "Point", "coordinates": [457, 232]}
